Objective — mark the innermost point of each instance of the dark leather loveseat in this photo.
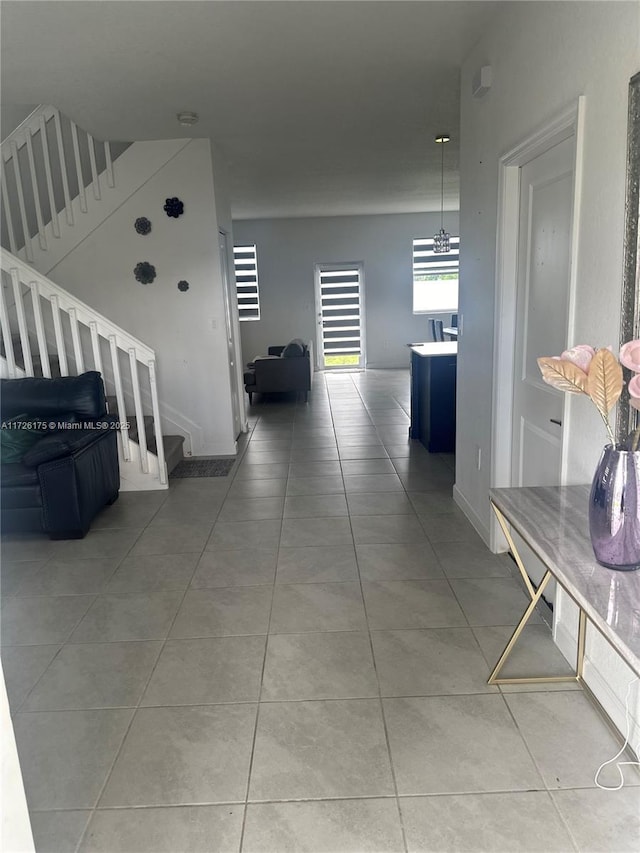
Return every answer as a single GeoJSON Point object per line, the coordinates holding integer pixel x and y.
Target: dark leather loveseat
{"type": "Point", "coordinates": [67, 475]}
{"type": "Point", "coordinates": [285, 368]}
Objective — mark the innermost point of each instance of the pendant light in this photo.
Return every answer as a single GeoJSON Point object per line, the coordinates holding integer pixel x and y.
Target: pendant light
{"type": "Point", "coordinates": [441, 239]}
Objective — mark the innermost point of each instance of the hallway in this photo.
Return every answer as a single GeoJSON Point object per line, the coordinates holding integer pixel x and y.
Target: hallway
{"type": "Point", "coordinates": [294, 658]}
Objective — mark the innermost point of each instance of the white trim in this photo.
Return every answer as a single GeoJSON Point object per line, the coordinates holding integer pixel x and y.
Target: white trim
{"type": "Point", "coordinates": [563, 126]}
{"type": "Point", "coordinates": [232, 317]}
{"type": "Point", "coordinates": [15, 830]}
{"type": "Point", "coordinates": [469, 510]}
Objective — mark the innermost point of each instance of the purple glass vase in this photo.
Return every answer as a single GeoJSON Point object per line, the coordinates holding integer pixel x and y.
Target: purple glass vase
{"type": "Point", "coordinates": [614, 509]}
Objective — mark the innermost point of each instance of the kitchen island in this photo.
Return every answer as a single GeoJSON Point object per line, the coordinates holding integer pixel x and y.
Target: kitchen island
{"type": "Point", "coordinates": [433, 395]}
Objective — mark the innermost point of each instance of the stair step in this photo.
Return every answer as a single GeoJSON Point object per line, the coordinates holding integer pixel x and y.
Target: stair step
{"type": "Point", "coordinates": [172, 450]}
{"type": "Point", "coordinates": [148, 429]}
{"type": "Point", "coordinates": [173, 444]}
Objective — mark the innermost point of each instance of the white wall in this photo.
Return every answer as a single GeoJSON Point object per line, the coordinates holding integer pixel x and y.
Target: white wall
{"type": "Point", "coordinates": [15, 828]}
{"type": "Point", "coordinates": [544, 55]}
{"type": "Point", "coordinates": [288, 250]}
{"type": "Point", "coordinates": [11, 115]}
{"type": "Point", "coordinates": [187, 330]}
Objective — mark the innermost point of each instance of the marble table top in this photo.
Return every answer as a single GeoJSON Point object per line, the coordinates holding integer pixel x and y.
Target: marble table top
{"type": "Point", "coordinates": [553, 520]}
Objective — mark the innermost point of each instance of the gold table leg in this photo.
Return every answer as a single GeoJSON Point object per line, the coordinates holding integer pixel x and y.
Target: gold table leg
{"type": "Point", "coordinates": [535, 595]}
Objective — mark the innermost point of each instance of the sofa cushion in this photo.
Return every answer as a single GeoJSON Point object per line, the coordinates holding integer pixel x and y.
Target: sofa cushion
{"type": "Point", "coordinates": [83, 395]}
{"type": "Point", "coordinates": [16, 474]}
{"type": "Point", "coordinates": [16, 438]}
{"type": "Point", "coordinates": [294, 349]}
{"type": "Point", "coordinates": [22, 497]}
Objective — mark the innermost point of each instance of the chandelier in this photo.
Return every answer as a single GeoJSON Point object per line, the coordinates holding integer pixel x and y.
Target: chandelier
{"type": "Point", "coordinates": [441, 239]}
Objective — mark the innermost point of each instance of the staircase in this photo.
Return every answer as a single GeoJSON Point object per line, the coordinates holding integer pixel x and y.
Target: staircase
{"type": "Point", "coordinates": [58, 184]}
{"type": "Point", "coordinates": [70, 338]}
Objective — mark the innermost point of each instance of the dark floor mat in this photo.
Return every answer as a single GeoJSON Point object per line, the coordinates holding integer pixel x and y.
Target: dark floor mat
{"type": "Point", "coordinates": [203, 467]}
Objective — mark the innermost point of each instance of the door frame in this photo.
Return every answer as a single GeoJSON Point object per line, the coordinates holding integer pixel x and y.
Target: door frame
{"type": "Point", "coordinates": [233, 328]}
{"type": "Point", "coordinates": [317, 269]}
{"type": "Point", "coordinates": [569, 123]}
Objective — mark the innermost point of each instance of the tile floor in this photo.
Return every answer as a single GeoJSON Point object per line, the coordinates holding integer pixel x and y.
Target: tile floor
{"type": "Point", "coordinates": [294, 658]}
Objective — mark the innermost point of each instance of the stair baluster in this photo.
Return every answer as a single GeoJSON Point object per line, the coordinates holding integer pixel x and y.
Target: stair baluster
{"type": "Point", "coordinates": [6, 336]}
{"type": "Point", "coordinates": [22, 323]}
{"type": "Point", "coordinates": [55, 224]}
{"type": "Point", "coordinates": [122, 412]}
{"type": "Point", "coordinates": [57, 328]}
{"type": "Point", "coordinates": [42, 237]}
{"type": "Point", "coordinates": [137, 400]}
{"type": "Point", "coordinates": [63, 167]}
{"type": "Point", "coordinates": [155, 404]}
{"type": "Point", "coordinates": [40, 333]}
{"type": "Point", "coordinates": [28, 246]}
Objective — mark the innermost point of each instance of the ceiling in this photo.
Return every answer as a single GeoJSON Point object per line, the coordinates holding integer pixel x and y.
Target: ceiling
{"type": "Point", "coordinates": [319, 108]}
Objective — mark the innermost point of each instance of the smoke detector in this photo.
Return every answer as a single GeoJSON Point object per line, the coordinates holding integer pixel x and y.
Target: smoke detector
{"type": "Point", "coordinates": [187, 118]}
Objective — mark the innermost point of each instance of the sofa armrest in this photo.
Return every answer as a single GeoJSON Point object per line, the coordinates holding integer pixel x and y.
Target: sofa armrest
{"type": "Point", "coordinates": [63, 443]}
{"type": "Point", "coordinates": [77, 486]}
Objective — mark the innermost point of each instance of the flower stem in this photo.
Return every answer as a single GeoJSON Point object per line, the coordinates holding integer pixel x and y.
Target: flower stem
{"type": "Point", "coordinates": [608, 426]}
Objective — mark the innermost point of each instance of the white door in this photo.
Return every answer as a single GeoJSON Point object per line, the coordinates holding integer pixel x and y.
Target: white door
{"type": "Point", "coordinates": [231, 343]}
{"type": "Point", "coordinates": [544, 252]}
{"type": "Point", "coordinates": [542, 310]}
{"type": "Point", "coordinates": [339, 315]}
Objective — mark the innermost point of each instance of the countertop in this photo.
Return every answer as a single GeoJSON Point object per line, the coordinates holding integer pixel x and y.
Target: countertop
{"type": "Point", "coordinates": [435, 348]}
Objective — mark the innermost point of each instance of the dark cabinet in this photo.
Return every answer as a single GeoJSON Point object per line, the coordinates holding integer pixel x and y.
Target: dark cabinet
{"type": "Point", "coordinates": [433, 396]}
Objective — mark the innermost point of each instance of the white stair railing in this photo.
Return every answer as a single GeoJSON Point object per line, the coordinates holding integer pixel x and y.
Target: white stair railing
{"type": "Point", "coordinates": [73, 337]}
{"type": "Point", "coordinates": [47, 162]}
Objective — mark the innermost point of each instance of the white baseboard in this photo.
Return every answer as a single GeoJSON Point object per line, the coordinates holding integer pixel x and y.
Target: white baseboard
{"type": "Point", "coordinates": [566, 642]}
{"type": "Point", "coordinates": [613, 704]}
{"type": "Point", "coordinates": [597, 682]}
{"type": "Point", "coordinates": [471, 514]}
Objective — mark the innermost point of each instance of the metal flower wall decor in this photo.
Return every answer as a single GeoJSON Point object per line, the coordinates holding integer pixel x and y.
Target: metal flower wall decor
{"type": "Point", "coordinates": [183, 286]}
{"type": "Point", "coordinates": [174, 207]}
{"type": "Point", "coordinates": [144, 272]}
{"type": "Point", "coordinates": [142, 225]}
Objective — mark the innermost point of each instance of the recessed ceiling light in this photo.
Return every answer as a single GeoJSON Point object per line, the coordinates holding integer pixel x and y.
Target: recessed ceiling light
{"type": "Point", "coordinates": [443, 137]}
{"type": "Point", "coordinates": [187, 118]}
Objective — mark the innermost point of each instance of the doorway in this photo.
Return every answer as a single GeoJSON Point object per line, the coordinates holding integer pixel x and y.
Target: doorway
{"type": "Point", "coordinates": [539, 195]}
{"type": "Point", "coordinates": [339, 292]}
{"type": "Point", "coordinates": [542, 308]}
{"type": "Point", "coordinates": [509, 330]}
{"type": "Point", "coordinates": [232, 335]}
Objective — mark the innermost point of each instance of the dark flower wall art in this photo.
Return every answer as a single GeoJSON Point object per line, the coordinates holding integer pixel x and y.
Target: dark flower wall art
{"type": "Point", "coordinates": [174, 207]}
{"type": "Point", "coordinates": [142, 225]}
{"type": "Point", "coordinates": [144, 272]}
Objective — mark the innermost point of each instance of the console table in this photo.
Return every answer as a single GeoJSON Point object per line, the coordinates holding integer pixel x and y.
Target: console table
{"type": "Point", "coordinates": [433, 395]}
{"type": "Point", "coordinates": [553, 521]}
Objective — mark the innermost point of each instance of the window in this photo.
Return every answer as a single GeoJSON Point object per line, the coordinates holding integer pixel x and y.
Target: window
{"type": "Point", "coordinates": [245, 262]}
{"type": "Point", "coordinates": [435, 278]}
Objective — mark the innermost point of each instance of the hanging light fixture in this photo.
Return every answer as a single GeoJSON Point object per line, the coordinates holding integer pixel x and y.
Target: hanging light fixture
{"type": "Point", "coordinates": [441, 239]}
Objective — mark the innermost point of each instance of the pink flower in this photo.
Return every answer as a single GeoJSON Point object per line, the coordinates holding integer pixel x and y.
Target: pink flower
{"type": "Point", "coordinates": [580, 355]}
{"type": "Point", "coordinates": [630, 357]}
{"type": "Point", "coordinates": [634, 391]}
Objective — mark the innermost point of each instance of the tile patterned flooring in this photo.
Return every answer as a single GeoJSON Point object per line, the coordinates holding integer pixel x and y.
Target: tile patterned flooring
{"type": "Point", "coordinates": [294, 658]}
